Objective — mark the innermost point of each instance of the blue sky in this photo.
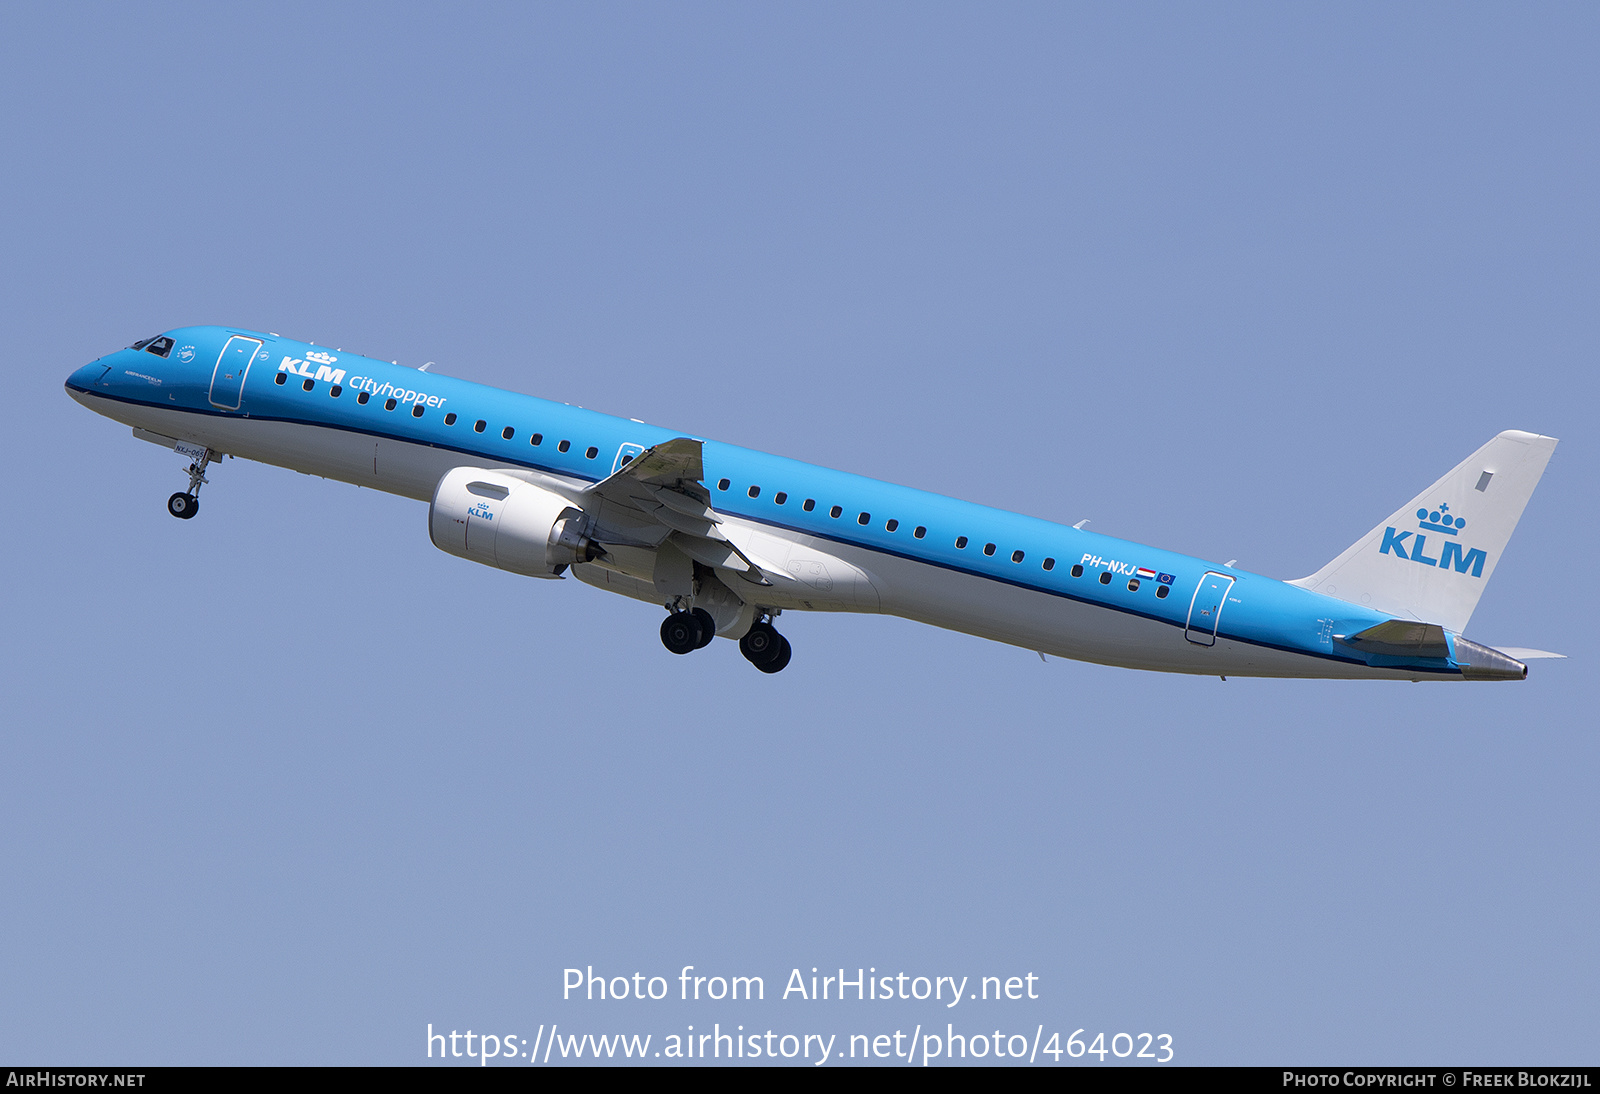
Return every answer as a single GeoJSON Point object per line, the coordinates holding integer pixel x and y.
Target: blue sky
{"type": "Point", "coordinates": [286, 783]}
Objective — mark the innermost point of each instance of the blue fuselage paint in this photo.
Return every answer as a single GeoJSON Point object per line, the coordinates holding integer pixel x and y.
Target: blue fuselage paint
{"type": "Point", "coordinates": [312, 386]}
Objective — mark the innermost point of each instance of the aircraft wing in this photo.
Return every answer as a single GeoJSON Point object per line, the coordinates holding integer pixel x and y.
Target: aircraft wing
{"type": "Point", "coordinates": [660, 493]}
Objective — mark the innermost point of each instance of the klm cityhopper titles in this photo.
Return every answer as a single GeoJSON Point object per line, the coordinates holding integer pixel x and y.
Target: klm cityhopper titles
{"type": "Point", "coordinates": [725, 539]}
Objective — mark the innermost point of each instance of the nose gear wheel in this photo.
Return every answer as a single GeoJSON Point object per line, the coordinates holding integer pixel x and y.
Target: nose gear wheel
{"type": "Point", "coordinates": [185, 504]}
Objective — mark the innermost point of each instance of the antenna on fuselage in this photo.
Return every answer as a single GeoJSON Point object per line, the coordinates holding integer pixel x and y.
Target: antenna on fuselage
{"type": "Point", "coordinates": [424, 368]}
{"type": "Point", "coordinates": [1081, 523]}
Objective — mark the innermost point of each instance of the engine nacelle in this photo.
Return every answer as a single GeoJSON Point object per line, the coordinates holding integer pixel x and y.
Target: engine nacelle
{"type": "Point", "coordinates": [501, 521]}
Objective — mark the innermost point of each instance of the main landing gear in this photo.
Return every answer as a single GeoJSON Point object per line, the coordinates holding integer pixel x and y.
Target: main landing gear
{"type": "Point", "coordinates": [687, 631]}
{"type": "Point", "coordinates": [765, 648]}
{"type": "Point", "coordinates": [185, 505]}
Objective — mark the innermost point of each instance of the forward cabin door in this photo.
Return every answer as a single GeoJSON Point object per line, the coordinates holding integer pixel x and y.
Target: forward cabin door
{"type": "Point", "coordinates": [1205, 610]}
{"type": "Point", "coordinates": [233, 364]}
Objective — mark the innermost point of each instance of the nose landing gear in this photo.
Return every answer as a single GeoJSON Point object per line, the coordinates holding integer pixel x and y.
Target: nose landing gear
{"type": "Point", "coordinates": [185, 505]}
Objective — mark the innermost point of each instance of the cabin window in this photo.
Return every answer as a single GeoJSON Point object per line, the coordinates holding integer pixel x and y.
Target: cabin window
{"type": "Point", "coordinates": [754, 491]}
{"type": "Point", "coordinates": [591, 452]}
{"type": "Point", "coordinates": [416, 411]}
{"type": "Point", "coordinates": [1077, 571]}
{"type": "Point", "coordinates": [1105, 578]}
{"type": "Point", "coordinates": [1162, 591]}
{"type": "Point", "coordinates": [507, 433]}
{"type": "Point", "coordinates": [478, 426]}
{"type": "Point", "coordinates": [723, 484]}
{"type": "Point", "coordinates": [563, 446]}
{"type": "Point", "coordinates": [1049, 564]}
{"type": "Point", "coordinates": [627, 459]}
{"type": "Point", "coordinates": [389, 404]}
{"type": "Point", "coordinates": [961, 543]}
{"type": "Point", "coordinates": [536, 440]}
{"type": "Point", "coordinates": [361, 397]}
{"type": "Point", "coordinates": [891, 525]}
{"type": "Point", "coordinates": [988, 548]}
{"type": "Point", "coordinates": [864, 519]}
{"type": "Point", "coordinates": [836, 512]}
{"type": "Point", "coordinates": [920, 532]}
{"type": "Point", "coordinates": [280, 378]}
{"type": "Point", "coordinates": [336, 391]}
{"type": "Point", "coordinates": [1016, 556]}
{"type": "Point", "coordinates": [308, 385]}
{"type": "Point", "coordinates": [809, 504]}
{"type": "Point", "coordinates": [1133, 585]}
{"type": "Point", "coordinates": [780, 497]}
{"type": "Point", "coordinates": [450, 418]}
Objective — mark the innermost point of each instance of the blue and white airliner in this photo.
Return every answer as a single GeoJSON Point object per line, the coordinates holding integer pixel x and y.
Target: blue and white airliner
{"type": "Point", "coordinates": [725, 539]}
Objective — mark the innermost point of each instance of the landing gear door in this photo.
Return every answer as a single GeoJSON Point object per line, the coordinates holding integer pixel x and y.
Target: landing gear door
{"type": "Point", "coordinates": [233, 364]}
{"type": "Point", "coordinates": [1205, 610]}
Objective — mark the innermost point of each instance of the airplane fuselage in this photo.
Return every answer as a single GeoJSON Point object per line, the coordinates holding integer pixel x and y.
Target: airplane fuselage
{"type": "Point", "coordinates": [847, 543]}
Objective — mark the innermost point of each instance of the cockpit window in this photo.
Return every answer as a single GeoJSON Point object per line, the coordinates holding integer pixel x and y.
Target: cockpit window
{"type": "Point", "coordinates": [141, 343]}
{"type": "Point", "coordinates": [159, 346]}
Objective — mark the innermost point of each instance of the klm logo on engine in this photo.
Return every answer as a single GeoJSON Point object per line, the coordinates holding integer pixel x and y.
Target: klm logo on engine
{"type": "Point", "coordinates": [481, 511]}
{"type": "Point", "coordinates": [1450, 555]}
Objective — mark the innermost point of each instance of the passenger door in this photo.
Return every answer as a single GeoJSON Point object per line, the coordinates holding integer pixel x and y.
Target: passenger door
{"type": "Point", "coordinates": [1205, 610]}
{"type": "Point", "coordinates": [233, 365]}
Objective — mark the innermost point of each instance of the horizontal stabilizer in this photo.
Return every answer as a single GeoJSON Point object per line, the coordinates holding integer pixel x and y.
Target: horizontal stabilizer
{"type": "Point", "coordinates": [1401, 638]}
{"type": "Point", "coordinates": [1522, 654]}
{"type": "Point", "coordinates": [1432, 558]}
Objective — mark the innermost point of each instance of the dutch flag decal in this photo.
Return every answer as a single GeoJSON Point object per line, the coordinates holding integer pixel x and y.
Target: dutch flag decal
{"type": "Point", "coordinates": [1144, 574]}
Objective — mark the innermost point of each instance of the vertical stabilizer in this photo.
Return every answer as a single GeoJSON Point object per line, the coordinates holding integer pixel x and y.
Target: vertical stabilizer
{"type": "Point", "coordinates": [1431, 560]}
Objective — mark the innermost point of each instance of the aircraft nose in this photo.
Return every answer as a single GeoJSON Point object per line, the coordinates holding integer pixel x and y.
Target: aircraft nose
{"type": "Point", "coordinates": [82, 379]}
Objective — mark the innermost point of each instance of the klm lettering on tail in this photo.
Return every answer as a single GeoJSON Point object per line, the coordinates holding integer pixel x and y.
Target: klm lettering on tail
{"type": "Point", "coordinates": [1439, 520]}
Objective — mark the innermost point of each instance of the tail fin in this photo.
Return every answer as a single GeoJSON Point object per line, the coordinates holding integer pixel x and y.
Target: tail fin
{"type": "Point", "coordinates": [1431, 560]}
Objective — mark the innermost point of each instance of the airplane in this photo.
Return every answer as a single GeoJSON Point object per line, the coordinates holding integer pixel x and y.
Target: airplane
{"type": "Point", "coordinates": [726, 539]}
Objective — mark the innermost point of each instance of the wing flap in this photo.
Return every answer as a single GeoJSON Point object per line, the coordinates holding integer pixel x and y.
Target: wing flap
{"type": "Point", "coordinates": [662, 485]}
{"type": "Point", "coordinates": [689, 526]}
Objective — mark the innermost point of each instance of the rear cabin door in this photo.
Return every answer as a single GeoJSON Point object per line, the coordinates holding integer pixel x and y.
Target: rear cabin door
{"type": "Point", "coordinates": [233, 364]}
{"type": "Point", "coordinates": [1205, 610]}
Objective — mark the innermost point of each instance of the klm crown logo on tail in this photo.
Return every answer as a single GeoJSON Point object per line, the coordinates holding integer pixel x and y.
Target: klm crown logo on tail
{"type": "Point", "coordinates": [1452, 554]}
